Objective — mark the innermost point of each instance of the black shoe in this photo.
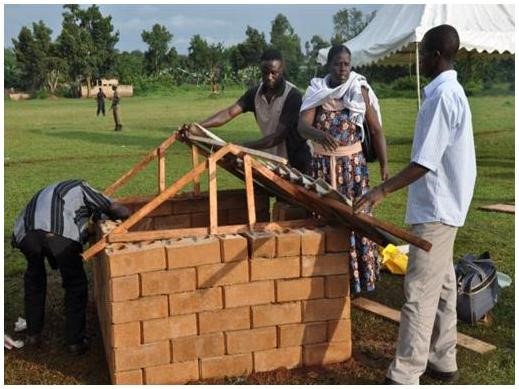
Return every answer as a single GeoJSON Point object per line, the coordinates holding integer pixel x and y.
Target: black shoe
{"type": "Point", "coordinates": [33, 340]}
{"type": "Point", "coordinates": [444, 376]}
{"type": "Point", "coordinates": [78, 348]}
{"type": "Point", "coordinates": [389, 381]}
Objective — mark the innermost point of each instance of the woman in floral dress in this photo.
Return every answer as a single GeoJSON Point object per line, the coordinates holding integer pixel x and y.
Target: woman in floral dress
{"type": "Point", "coordinates": [333, 113]}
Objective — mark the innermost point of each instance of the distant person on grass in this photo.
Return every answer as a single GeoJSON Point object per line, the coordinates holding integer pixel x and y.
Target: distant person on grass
{"type": "Point", "coordinates": [100, 97]}
{"type": "Point", "coordinates": [275, 103]}
{"type": "Point", "coordinates": [116, 102]}
{"type": "Point", "coordinates": [441, 178]}
{"type": "Point", "coordinates": [53, 225]}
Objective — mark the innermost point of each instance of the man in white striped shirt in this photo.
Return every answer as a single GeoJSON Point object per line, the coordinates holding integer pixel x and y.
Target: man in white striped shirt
{"type": "Point", "coordinates": [441, 175]}
{"type": "Point", "coordinates": [54, 225]}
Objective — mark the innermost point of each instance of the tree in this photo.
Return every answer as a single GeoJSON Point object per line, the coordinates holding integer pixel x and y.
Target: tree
{"type": "Point", "coordinates": [312, 50]}
{"type": "Point", "coordinates": [283, 38]}
{"type": "Point", "coordinates": [202, 56]}
{"type": "Point", "coordinates": [248, 53]}
{"type": "Point", "coordinates": [157, 56]}
{"type": "Point", "coordinates": [348, 23]}
{"type": "Point", "coordinates": [88, 44]}
{"type": "Point", "coordinates": [12, 75]}
{"type": "Point", "coordinates": [129, 66]}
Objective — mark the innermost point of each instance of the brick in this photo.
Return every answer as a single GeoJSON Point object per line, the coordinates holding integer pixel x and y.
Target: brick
{"type": "Point", "coordinates": [288, 243]}
{"type": "Point", "coordinates": [168, 328]}
{"type": "Point", "coordinates": [172, 221]}
{"type": "Point", "coordinates": [312, 241]}
{"type": "Point", "coordinates": [141, 309]}
{"type": "Point", "coordinates": [259, 292]}
{"type": "Point", "coordinates": [224, 320]}
{"type": "Point", "coordinates": [339, 330]}
{"type": "Point", "coordinates": [337, 239]}
{"type": "Point", "coordinates": [261, 244]}
{"type": "Point", "coordinates": [136, 258]}
{"type": "Point", "coordinates": [325, 264]}
{"type": "Point", "coordinates": [324, 353]}
{"type": "Point", "coordinates": [289, 358]}
{"type": "Point", "coordinates": [194, 347]}
{"type": "Point", "coordinates": [233, 247]}
{"type": "Point", "coordinates": [197, 301]}
{"type": "Point", "coordinates": [239, 342]}
{"type": "Point", "coordinates": [299, 334]}
{"type": "Point", "coordinates": [168, 281]}
{"type": "Point", "coordinates": [172, 373]}
{"type": "Point", "coordinates": [223, 274]}
{"type": "Point", "coordinates": [226, 366]}
{"type": "Point", "coordinates": [271, 269]}
{"type": "Point", "coordinates": [299, 289]}
{"type": "Point", "coordinates": [189, 252]}
{"type": "Point", "coordinates": [274, 314]}
{"type": "Point", "coordinates": [123, 288]}
{"type": "Point", "coordinates": [132, 377]}
{"type": "Point", "coordinates": [126, 334]}
{"type": "Point", "coordinates": [143, 356]}
{"type": "Point", "coordinates": [337, 286]}
{"type": "Point", "coordinates": [326, 309]}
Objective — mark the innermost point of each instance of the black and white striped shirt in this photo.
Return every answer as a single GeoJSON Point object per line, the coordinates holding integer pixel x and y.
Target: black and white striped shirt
{"type": "Point", "coordinates": [63, 208]}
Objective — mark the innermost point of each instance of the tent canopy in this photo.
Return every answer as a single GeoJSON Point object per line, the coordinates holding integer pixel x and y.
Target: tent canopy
{"type": "Point", "coordinates": [392, 35]}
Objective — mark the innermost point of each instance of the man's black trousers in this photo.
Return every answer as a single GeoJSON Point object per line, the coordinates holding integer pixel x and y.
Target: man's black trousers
{"type": "Point", "coordinates": [63, 254]}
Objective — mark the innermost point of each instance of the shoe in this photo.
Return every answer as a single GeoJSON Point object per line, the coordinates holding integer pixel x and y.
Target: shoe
{"type": "Point", "coordinates": [78, 348]}
{"type": "Point", "coordinates": [389, 381]}
{"type": "Point", "coordinates": [33, 340]}
{"type": "Point", "coordinates": [444, 376]}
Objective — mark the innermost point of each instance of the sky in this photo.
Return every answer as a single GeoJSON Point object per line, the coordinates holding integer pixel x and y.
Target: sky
{"type": "Point", "coordinates": [225, 23]}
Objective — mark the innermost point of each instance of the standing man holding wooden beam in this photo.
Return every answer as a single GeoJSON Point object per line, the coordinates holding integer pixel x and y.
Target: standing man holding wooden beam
{"type": "Point", "coordinates": [441, 175]}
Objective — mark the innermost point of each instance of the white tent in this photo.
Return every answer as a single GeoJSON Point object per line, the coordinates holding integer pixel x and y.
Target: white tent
{"type": "Point", "coordinates": [392, 37]}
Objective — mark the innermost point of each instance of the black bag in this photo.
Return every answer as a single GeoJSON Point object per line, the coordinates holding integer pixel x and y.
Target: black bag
{"type": "Point", "coordinates": [477, 287]}
{"type": "Point", "coordinates": [368, 148]}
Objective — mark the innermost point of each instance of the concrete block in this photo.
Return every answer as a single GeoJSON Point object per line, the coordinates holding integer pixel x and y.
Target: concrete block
{"type": "Point", "coordinates": [326, 264]}
{"type": "Point", "coordinates": [275, 268]}
{"type": "Point", "coordinates": [275, 314]}
{"type": "Point", "coordinates": [124, 288]}
{"type": "Point", "coordinates": [194, 347]}
{"type": "Point", "coordinates": [224, 320]}
{"type": "Point", "coordinates": [337, 286]}
{"type": "Point", "coordinates": [299, 289]}
{"type": "Point", "coordinates": [252, 293]}
{"type": "Point", "coordinates": [226, 366]}
{"type": "Point", "coordinates": [125, 335]}
{"type": "Point", "coordinates": [337, 239]}
{"type": "Point", "coordinates": [168, 281]}
{"type": "Point", "coordinates": [299, 334]}
{"type": "Point", "coordinates": [172, 373]}
{"type": "Point", "coordinates": [326, 309]}
{"type": "Point", "coordinates": [145, 355]}
{"type": "Point", "coordinates": [288, 243]}
{"type": "Point", "coordinates": [312, 241]}
{"type": "Point", "coordinates": [141, 309]}
{"type": "Point", "coordinates": [189, 252]}
{"type": "Point", "coordinates": [131, 377]}
{"type": "Point", "coordinates": [136, 258]}
{"type": "Point", "coordinates": [325, 353]}
{"type": "Point", "coordinates": [288, 357]}
{"type": "Point", "coordinates": [236, 272]}
{"type": "Point", "coordinates": [169, 328]}
{"type": "Point", "coordinates": [339, 330]}
{"type": "Point", "coordinates": [239, 342]}
{"type": "Point", "coordinates": [233, 247]}
{"type": "Point", "coordinates": [197, 301]}
{"type": "Point", "coordinates": [261, 244]}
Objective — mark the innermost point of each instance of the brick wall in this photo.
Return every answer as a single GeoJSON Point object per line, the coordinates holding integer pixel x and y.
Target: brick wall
{"type": "Point", "coordinates": [190, 309]}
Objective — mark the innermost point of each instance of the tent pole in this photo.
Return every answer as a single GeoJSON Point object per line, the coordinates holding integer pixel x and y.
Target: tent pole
{"type": "Point", "coordinates": [417, 73]}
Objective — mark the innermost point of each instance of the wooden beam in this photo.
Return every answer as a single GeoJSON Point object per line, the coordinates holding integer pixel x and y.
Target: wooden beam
{"type": "Point", "coordinates": [139, 236]}
{"type": "Point", "coordinates": [140, 165]}
{"type": "Point", "coordinates": [249, 188]}
{"type": "Point", "coordinates": [464, 341]}
{"type": "Point", "coordinates": [213, 197]}
{"type": "Point", "coordinates": [196, 181]}
{"type": "Point", "coordinates": [161, 170]}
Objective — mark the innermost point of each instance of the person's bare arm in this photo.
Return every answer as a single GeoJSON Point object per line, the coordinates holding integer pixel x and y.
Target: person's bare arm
{"type": "Point", "coordinates": [406, 176]}
{"type": "Point", "coordinates": [377, 134]}
{"type": "Point", "coordinates": [308, 131]}
{"type": "Point", "coordinates": [223, 116]}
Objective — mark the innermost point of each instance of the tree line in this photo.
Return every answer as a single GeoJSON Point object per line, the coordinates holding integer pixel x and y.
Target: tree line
{"type": "Point", "coordinates": [84, 52]}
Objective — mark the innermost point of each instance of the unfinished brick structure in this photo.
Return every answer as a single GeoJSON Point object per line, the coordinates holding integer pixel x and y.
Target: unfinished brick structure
{"type": "Point", "coordinates": [193, 308]}
{"type": "Point", "coordinates": [204, 285]}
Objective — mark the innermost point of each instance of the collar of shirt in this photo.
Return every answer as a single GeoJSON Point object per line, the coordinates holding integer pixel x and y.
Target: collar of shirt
{"type": "Point", "coordinates": [278, 90]}
{"type": "Point", "coordinates": [440, 78]}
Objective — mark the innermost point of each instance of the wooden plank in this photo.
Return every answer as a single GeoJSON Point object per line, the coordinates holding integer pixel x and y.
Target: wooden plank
{"type": "Point", "coordinates": [506, 208]}
{"type": "Point", "coordinates": [249, 188]}
{"type": "Point", "coordinates": [138, 236]}
{"type": "Point", "coordinates": [161, 170]}
{"type": "Point", "coordinates": [156, 202]}
{"type": "Point", "coordinates": [464, 341]}
{"type": "Point", "coordinates": [213, 197]}
{"type": "Point", "coordinates": [140, 165]}
{"type": "Point", "coordinates": [196, 181]}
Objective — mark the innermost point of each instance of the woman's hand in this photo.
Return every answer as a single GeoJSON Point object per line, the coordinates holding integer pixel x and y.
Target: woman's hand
{"type": "Point", "coordinates": [327, 141]}
{"type": "Point", "coordinates": [384, 172]}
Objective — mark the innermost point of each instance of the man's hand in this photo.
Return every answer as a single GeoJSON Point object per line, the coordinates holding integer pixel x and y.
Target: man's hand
{"type": "Point", "coordinates": [327, 141]}
{"type": "Point", "coordinates": [190, 128]}
{"type": "Point", "coordinates": [370, 200]}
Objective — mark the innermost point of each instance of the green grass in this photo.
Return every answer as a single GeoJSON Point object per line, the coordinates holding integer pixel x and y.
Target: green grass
{"type": "Point", "coordinates": [50, 140]}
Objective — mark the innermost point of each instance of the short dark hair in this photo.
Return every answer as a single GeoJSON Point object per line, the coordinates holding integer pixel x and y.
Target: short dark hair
{"type": "Point", "coordinates": [443, 38]}
{"type": "Point", "coordinates": [272, 54]}
{"type": "Point", "coordinates": [337, 49]}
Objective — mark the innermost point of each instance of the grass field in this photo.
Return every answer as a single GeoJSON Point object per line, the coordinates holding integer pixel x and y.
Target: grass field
{"type": "Point", "coordinates": [50, 140]}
